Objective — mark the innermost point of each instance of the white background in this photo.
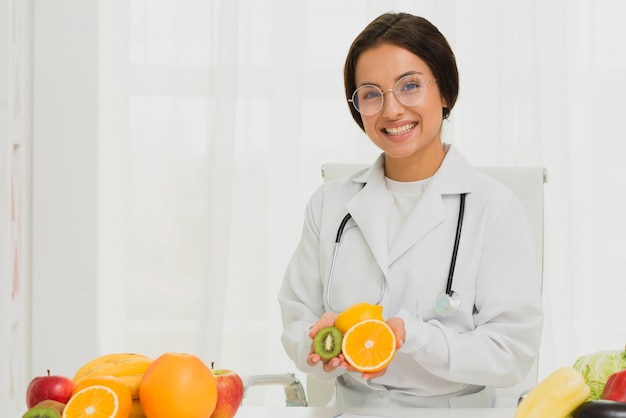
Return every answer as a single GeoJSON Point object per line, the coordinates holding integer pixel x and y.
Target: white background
{"type": "Point", "coordinates": [168, 149]}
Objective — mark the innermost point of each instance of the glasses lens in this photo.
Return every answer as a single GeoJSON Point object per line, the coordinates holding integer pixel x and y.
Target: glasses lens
{"type": "Point", "coordinates": [367, 99]}
{"type": "Point", "coordinates": [411, 90]}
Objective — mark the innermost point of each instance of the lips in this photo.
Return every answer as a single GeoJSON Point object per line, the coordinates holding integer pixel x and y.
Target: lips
{"type": "Point", "coordinates": [400, 130]}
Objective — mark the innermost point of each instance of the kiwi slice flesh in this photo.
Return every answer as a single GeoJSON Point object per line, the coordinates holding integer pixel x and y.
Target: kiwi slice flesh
{"type": "Point", "coordinates": [327, 342]}
{"type": "Point", "coordinates": [42, 412]}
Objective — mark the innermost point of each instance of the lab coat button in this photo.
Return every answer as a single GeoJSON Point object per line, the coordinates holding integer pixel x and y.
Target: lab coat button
{"type": "Point", "coordinates": [383, 394]}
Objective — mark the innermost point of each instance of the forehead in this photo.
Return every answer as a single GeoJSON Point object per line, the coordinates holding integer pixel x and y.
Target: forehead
{"type": "Point", "coordinates": [385, 63]}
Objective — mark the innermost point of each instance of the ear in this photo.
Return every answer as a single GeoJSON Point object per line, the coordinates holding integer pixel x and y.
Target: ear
{"type": "Point", "coordinates": [444, 104]}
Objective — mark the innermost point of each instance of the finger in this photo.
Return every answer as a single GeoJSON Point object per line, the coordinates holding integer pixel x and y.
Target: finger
{"type": "Point", "coordinates": [369, 376]}
{"type": "Point", "coordinates": [313, 359]}
{"type": "Point", "coordinates": [331, 365]}
{"type": "Point", "coordinates": [397, 326]}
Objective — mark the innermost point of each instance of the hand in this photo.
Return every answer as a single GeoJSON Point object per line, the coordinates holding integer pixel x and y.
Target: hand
{"type": "Point", "coordinates": [397, 326]}
{"type": "Point", "coordinates": [326, 320]}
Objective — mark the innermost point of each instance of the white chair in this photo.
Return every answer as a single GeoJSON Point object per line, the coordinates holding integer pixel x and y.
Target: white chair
{"type": "Point", "coordinates": [528, 184]}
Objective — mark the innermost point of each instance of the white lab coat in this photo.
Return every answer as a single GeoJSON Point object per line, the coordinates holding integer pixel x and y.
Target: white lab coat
{"type": "Point", "coordinates": [491, 341]}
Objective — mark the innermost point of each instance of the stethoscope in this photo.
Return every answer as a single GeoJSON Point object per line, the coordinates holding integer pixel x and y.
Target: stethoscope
{"type": "Point", "coordinates": [445, 304]}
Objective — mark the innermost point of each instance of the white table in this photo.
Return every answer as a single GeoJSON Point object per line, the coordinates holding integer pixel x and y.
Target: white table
{"type": "Point", "coordinates": [302, 412]}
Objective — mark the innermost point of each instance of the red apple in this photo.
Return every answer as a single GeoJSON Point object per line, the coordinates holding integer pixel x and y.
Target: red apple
{"type": "Point", "coordinates": [56, 388]}
{"type": "Point", "coordinates": [229, 393]}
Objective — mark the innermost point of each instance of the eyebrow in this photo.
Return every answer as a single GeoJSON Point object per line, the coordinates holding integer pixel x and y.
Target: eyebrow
{"type": "Point", "coordinates": [410, 72]}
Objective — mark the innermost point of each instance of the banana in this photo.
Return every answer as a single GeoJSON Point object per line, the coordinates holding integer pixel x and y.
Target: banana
{"type": "Point", "coordinates": [556, 396]}
{"type": "Point", "coordinates": [132, 381]}
{"type": "Point", "coordinates": [136, 411]}
{"type": "Point", "coordinates": [114, 364]}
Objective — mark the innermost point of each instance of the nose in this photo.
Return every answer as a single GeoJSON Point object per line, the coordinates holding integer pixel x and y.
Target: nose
{"type": "Point", "coordinates": [391, 104]}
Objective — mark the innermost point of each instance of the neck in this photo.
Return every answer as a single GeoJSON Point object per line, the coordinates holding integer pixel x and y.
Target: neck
{"type": "Point", "coordinates": [419, 166]}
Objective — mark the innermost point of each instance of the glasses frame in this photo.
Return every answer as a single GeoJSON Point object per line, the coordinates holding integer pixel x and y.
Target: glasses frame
{"type": "Point", "coordinates": [394, 90]}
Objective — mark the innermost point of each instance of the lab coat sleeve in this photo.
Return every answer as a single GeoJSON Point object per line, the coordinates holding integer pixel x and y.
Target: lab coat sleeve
{"type": "Point", "coordinates": [301, 293]}
{"type": "Point", "coordinates": [507, 313]}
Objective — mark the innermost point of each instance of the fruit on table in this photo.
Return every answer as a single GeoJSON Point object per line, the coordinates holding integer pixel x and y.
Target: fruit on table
{"type": "Point", "coordinates": [132, 381]}
{"type": "Point", "coordinates": [615, 387]}
{"type": "Point", "coordinates": [135, 410]}
{"type": "Point", "coordinates": [129, 367]}
{"type": "Point", "coordinates": [114, 364]}
{"type": "Point", "coordinates": [45, 409]}
{"type": "Point", "coordinates": [357, 313]}
{"type": "Point", "coordinates": [55, 387]}
{"type": "Point", "coordinates": [99, 396]}
{"type": "Point", "coordinates": [556, 396]}
{"type": "Point", "coordinates": [178, 385]}
{"type": "Point", "coordinates": [369, 346]}
{"type": "Point", "coordinates": [327, 342]}
{"type": "Point", "coordinates": [229, 393]}
{"type": "Point", "coordinates": [598, 367]}
{"type": "Point", "coordinates": [601, 409]}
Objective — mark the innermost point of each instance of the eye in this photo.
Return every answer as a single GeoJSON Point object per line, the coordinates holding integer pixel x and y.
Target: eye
{"type": "Point", "coordinates": [369, 93]}
{"type": "Point", "coordinates": [410, 86]}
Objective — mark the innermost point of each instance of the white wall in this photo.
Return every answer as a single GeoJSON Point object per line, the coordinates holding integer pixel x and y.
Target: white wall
{"type": "Point", "coordinates": [65, 176]}
{"type": "Point", "coordinates": [15, 200]}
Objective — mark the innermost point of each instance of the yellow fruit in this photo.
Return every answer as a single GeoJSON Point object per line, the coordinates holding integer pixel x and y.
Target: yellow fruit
{"type": "Point", "coordinates": [135, 410]}
{"type": "Point", "coordinates": [115, 364]}
{"type": "Point", "coordinates": [369, 346]}
{"type": "Point", "coordinates": [556, 396]}
{"type": "Point", "coordinates": [132, 381]}
{"type": "Point", "coordinates": [357, 313]}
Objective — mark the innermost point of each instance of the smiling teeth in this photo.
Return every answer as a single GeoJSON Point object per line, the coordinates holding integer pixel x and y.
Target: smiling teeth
{"type": "Point", "coordinates": [400, 130]}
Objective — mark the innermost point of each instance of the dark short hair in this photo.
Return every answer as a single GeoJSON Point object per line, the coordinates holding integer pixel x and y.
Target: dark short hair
{"type": "Point", "coordinates": [416, 35]}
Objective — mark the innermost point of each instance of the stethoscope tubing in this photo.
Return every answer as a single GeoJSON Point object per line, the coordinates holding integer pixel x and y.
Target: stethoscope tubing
{"type": "Point", "coordinates": [449, 292]}
{"type": "Point", "coordinates": [455, 250]}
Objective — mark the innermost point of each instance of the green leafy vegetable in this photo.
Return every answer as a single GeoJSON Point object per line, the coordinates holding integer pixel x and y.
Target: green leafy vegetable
{"type": "Point", "coordinates": [597, 367]}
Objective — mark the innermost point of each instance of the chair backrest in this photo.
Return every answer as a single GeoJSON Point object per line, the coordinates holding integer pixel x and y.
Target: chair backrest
{"type": "Point", "coordinates": [528, 185]}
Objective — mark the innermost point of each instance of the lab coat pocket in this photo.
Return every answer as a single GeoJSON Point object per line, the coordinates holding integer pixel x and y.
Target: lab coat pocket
{"type": "Point", "coordinates": [462, 320]}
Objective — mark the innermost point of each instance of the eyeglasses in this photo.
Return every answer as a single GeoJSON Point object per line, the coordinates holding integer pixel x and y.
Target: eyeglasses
{"type": "Point", "coordinates": [410, 91]}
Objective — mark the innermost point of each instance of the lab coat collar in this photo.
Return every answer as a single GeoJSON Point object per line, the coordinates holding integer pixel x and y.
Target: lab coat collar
{"type": "Point", "coordinates": [454, 176]}
{"type": "Point", "coordinates": [370, 207]}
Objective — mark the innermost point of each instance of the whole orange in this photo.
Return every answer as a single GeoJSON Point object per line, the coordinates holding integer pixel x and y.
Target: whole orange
{"type": "Point", "coordinates": [356, 313]}
{"type": "Point", "coordinates": [178, 385]}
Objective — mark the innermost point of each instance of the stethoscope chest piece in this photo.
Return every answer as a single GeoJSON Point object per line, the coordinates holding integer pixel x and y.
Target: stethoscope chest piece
{"type": "Point", "coordinates": [447, 304]}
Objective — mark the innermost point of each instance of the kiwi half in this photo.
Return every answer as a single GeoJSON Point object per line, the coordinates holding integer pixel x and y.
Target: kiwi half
{"type": "Point", "coordinates": [42, 412]}
{"type": "Point", "coordinates": [327, 342]}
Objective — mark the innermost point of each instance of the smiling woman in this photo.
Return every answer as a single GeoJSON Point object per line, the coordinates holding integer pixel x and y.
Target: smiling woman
{"type": "Point", "coordinates": [407, 210]}
{"type": "Point", "coordinates": [160, 161]}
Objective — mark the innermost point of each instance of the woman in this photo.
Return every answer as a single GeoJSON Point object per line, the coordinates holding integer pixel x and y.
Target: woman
{"type": "Point", "coordinates": [401, 81]}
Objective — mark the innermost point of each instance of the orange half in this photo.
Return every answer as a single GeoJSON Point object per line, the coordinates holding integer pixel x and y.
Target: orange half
{"type": "Point", "coordinates": [99, 397]}
{"type": "Point", "coordinates": [369, 346]}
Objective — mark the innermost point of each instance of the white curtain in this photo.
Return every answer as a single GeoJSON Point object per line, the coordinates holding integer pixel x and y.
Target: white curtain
{"type": "Point", "coordinates": [226, 110]}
